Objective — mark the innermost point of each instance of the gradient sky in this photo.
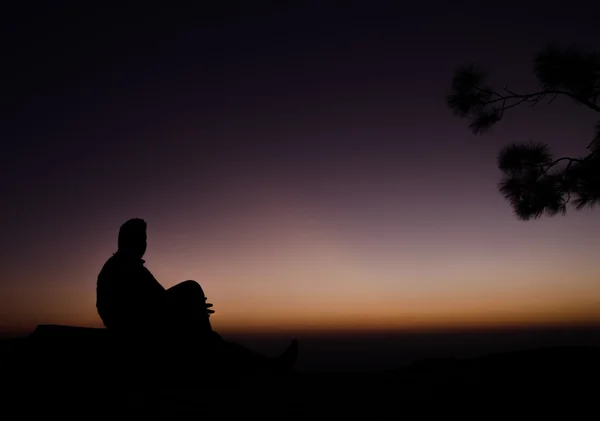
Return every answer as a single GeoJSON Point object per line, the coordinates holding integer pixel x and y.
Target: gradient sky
{"type": "Point", "coordinates": [299, 162]}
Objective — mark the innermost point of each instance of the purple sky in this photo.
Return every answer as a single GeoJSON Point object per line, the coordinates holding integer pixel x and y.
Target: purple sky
{"type": "Point", "coordinates": [300, 163]}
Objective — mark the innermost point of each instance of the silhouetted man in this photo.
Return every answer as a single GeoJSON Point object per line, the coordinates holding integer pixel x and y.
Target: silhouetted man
{"type": "Point", "coordinates": [135, 306]}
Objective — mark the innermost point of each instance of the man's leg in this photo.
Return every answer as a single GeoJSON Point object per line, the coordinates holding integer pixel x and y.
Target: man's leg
{"type": "Point", "coordinates": [241, 359]}
{"type": "Point", "coordinates": [187, 311]}
{"type": "Point", "coordinates": [189, 316]}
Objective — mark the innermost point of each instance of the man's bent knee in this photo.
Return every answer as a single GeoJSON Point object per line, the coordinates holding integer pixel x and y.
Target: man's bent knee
{"type": "Point", "coordinates": [191, 286]}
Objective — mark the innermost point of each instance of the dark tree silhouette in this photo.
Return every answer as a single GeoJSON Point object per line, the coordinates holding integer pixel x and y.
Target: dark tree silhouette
{"type": "Point", "coordinates": [534, 182]}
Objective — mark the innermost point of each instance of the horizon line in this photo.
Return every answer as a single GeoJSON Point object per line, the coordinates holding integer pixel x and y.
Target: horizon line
{"type": "Point", "coordinates": [347, 331]}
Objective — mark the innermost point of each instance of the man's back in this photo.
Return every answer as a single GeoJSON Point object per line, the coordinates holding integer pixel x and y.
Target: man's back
{"type": "Point", "coordinates": [128, 297]}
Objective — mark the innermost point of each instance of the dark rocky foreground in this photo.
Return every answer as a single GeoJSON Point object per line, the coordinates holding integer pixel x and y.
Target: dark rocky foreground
{"type": "Point", "coordinates": [59, 370]}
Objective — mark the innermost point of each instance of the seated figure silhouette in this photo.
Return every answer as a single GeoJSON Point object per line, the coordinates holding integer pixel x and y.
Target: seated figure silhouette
{"type": "Point", "coordinates": [134, 306]}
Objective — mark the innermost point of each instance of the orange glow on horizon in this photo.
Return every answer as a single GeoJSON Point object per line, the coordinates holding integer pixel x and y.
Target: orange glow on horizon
{"type": "Point", "coordinates": [276, 267]}
{"type": "Point", "coordinates": [239, 318]}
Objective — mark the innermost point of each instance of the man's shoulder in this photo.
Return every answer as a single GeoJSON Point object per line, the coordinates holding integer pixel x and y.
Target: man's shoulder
{"type": "Point", "coordinates": [113, 265]}
{"type": "Point", "coordinates": [118, 265]}
{"type": "Point", "coordinates": [112, 261]}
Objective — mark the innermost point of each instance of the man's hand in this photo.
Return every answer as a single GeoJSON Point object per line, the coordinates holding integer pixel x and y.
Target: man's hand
{"type": "Point", "coordinates": [208, 308]}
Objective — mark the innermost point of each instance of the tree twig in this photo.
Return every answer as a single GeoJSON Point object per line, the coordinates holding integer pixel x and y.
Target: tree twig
{"type": "Point", "coordinates": [537, 97]}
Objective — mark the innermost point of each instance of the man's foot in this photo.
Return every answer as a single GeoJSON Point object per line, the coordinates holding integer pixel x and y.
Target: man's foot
{"type": "Point", "coordinates": [286, 361]}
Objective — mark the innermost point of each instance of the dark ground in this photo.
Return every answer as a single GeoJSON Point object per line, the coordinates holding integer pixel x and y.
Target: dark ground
{"type": "Point", "coordinates": [61, 375]}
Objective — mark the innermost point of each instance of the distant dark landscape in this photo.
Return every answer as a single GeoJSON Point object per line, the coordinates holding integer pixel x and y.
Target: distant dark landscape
{"type": "Point", "coordinates": [374, 352]}
{"type": "Point", "coordinates": [382, 351]}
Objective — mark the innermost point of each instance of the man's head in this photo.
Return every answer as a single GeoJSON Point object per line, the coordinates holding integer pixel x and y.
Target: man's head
{"type": "Point", "coordinates": [132, 237]}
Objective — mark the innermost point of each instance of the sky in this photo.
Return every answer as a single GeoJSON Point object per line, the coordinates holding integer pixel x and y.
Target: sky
{"type": "Point", "coordinates": [299, 162]}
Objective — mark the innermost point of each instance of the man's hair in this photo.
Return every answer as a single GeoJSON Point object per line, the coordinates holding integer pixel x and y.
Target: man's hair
{"type": "Point", "coordinates": [131, 232]}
